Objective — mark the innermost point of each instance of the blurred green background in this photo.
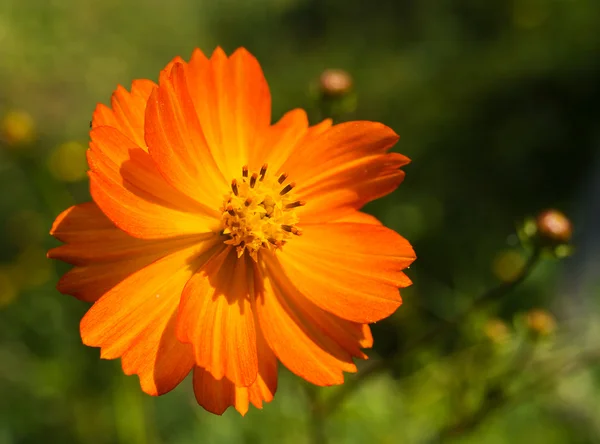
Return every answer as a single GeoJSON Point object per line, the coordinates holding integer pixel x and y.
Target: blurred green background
{"type": "Point", "coordinates": [496, 103]}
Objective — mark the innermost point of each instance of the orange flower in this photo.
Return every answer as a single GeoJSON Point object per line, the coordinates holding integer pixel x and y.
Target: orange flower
{"type": "Point", "coordinates": [220, 243]}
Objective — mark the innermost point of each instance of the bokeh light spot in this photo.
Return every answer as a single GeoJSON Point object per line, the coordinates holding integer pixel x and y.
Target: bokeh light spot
{"type": "Point", "coordinates": [67, 162]}
{"type": "Point", "coordinates": [8, 289]}
{"type": "Point", "coordinates": [17, 128]}
{"type": "Point", "coordinates": [507, 264]}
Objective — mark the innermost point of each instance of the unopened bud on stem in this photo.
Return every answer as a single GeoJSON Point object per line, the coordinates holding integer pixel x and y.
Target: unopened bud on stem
{"type": "Point", "coordinates": [554, 227]}
{"type": "Point", "coordinates": [335, 82]}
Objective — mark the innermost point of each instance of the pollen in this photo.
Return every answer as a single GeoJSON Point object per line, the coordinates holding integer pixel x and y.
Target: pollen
{"type": "Point", "coordinates": [260, 212]}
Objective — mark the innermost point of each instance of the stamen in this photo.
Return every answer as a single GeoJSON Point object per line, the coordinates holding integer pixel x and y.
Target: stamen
{"type": "Point", "coordinates": [287, 188]}
{"type": "Point", "coordinates": [263, 171]}
{"type": "Point", "coordinates": [291, 229]}
{"type": "Point", "coordinates": [298, 203]}
{"type": "Point", "coordinates": [259, 212]}
{"type": "Point", "coordinates": [240, 250]}
{"type": "Point", "coordinates": [275, 242]}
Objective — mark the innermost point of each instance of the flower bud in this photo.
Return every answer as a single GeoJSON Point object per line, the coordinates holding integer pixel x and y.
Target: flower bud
{"type": "Point", "coordinates": [335, 83]}
{"type": "Point", "coordinates": [554, 227]}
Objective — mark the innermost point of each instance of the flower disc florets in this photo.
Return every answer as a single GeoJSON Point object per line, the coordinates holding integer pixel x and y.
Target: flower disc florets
{"type": "Point", "coordinates": [260, 212]}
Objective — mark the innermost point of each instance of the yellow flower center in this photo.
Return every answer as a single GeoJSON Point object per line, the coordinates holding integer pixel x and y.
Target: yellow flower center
{"type": "Point", "coordinates": [260, 212]}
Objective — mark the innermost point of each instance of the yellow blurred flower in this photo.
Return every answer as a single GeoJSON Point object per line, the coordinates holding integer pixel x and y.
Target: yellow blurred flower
{"type": "Point", "coordinates": [496, 331]}
{"type": "Point", "coordinates": [17, 128]}
{"type": "Point", "coordinates": [67, 162]}
{"type": "Point", "coordinates": [540, 322]}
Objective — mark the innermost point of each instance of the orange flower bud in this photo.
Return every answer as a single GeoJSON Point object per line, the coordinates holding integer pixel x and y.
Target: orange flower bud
{"type": "Point", "coordinates": [335, 82]}
{"type": "Point", "coordinates": [554, 227]}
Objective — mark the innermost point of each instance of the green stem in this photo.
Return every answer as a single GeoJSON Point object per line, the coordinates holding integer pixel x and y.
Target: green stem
{"type": "Point", "coordinates": [503, 398]}
{"type": "Point", "coordinates": [316, 419]}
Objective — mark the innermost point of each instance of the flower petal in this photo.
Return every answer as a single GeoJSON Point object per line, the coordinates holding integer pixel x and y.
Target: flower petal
{"type": "Point", "coordinates": [216, 316]}
{"type": "Point", "coordinates": [343, 192]}
{"type": "Point", "coordinates": [91, 237]}
{"type": "Point", "coordinates": [135, 197]}
{"type": "Point", "coordinates": [73, 224]}
{"type": "Point", "coordinates": [265, 386]}
{"type": "Point", "coordinates": [121, 147]}
{"type": "Point", "coordinates": [358, 217]}
{"type": "Point", "coordinates": [89, 282]}
{"type": "Point", "coordinates": [104, 254]}
{"type": "Point", "coordinates": [135, 320]}
{"type": "Point", "coordinates": [343, 168]}
{"type": "Point", "coordinates": [158, 358]}
{"type": "Point", "coordinates": [331, 146]}
{"type": "Point", "coordinates": [299, 334]}
{"type": "Point", "coordinates": [216, 395]}
{"type": "Point", "coordinates": [318, 129]}
{"type": "Point", "coordinates": [279, 141]}
{"type": "Point", "coordinates": [233, 103]}
{"type": "Point", "coordinates": [350, 270]}
{"type": "Point", "coordinates": [127, 111]}
{"type": "Point", "coordinates": [177, 144]}
{"type": "Point", "coordinates": [118, 151]}
{"type": "Point", "coordinates": [350, 336]}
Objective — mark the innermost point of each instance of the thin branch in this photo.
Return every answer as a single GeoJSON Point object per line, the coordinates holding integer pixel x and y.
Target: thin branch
{"type": "Point", "coordinates": [316, 419]}
{"type": "Point", "coordinates": [502, 398]}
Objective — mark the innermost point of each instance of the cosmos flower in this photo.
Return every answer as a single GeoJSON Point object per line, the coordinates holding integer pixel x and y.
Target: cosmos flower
{"type": "Point", "coordinates": [222, 244]}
